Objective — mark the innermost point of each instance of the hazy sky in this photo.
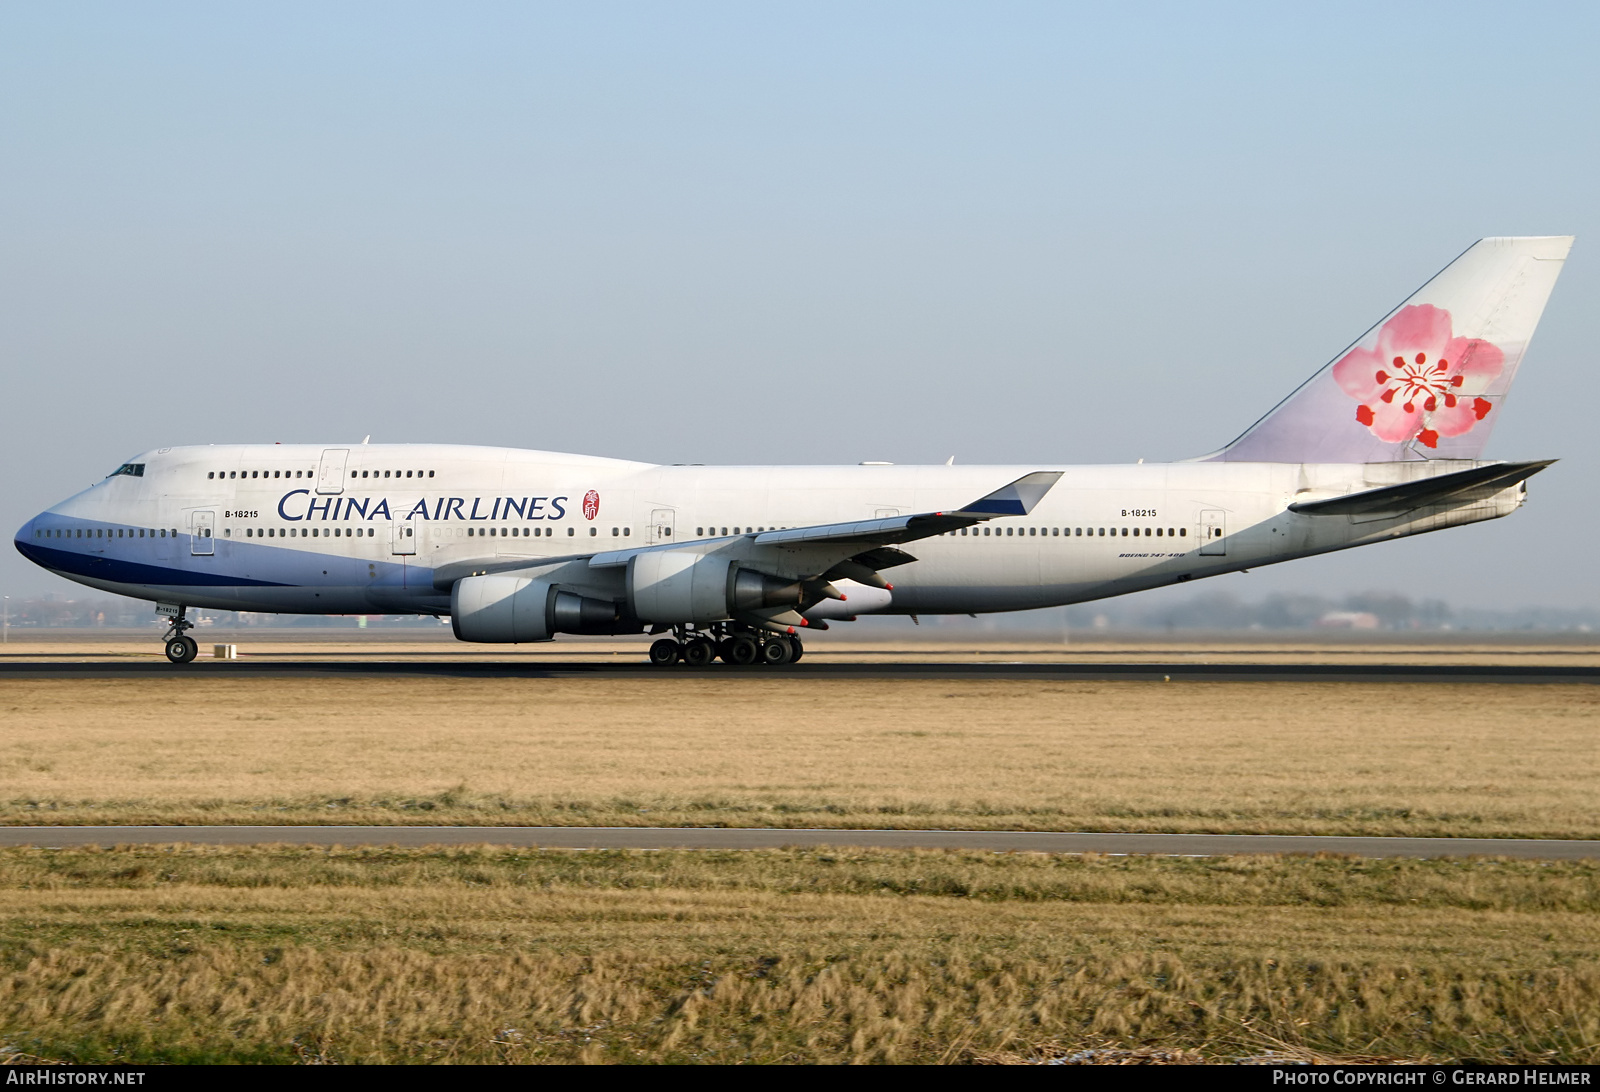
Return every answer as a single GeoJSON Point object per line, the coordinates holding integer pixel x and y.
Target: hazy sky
{"type": "Point", "coordinates": [749, 233]}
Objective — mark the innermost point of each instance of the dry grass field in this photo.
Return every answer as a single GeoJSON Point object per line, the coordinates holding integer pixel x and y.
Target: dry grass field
{"type": "Point", "coordinates": [274, 954]}
{"type": "Point", "coordinates": [765, 750]}
{"type": "Point", "coordinates": [493, 955]}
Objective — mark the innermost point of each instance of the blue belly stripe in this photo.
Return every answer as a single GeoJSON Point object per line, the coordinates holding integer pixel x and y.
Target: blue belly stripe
{"type": "Point", "coordinates": [133, 572]}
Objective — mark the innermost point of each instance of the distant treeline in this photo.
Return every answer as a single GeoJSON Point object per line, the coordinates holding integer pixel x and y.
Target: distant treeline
{"type": "Point", "coordinates": [1221, 612]}
{"type": "Point", "coordinates": [1373, 610]}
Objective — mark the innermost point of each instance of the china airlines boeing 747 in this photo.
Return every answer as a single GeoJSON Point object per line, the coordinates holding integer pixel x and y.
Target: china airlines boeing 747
{"type": "Point", "coordinates": [518, 546]}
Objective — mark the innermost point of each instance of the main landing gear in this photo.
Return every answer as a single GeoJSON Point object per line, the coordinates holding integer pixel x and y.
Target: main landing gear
{"type": "Point", "coordinates": [741, 647]}
{"type": "Point", "coordinates": [180, 647]}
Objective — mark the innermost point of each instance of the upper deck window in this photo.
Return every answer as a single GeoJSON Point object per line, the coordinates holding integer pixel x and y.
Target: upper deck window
{"type": "Point", "coordinates": [133, 470]}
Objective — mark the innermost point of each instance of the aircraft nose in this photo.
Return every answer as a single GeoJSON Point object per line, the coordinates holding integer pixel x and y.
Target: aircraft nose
{"type": "Point", "coordinates": [30, 535]}
{"type": "Point", "coordinates": [24, 536]}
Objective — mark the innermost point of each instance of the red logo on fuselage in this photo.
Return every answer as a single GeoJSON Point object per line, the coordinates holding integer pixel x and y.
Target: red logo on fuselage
{"type": "Point", "coordinates": [591, 504]}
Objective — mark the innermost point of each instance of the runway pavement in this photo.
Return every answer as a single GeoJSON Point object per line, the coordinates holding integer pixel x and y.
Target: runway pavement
{"type": "Point", "coordinates": [1146, 672]}
{"type": "Point", "coordinates": [1175, 845]}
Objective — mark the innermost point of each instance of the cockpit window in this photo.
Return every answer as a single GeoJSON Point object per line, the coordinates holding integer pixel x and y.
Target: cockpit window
{"type": "Point", "coordinates": [133, 470]}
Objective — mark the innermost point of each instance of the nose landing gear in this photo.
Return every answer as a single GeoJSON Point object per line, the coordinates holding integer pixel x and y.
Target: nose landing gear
{"type": "Point", "coordinates": [180, 647]}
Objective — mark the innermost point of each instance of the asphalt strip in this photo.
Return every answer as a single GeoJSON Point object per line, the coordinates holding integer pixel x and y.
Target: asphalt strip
{"type": "Point", "coordinates": [1168, 845]}
{"type": "Point", "coordinates": [618, 669]}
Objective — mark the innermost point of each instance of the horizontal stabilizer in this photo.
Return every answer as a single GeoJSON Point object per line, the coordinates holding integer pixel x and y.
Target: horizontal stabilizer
{"type": "Point", "coordinates": [1462, 487]}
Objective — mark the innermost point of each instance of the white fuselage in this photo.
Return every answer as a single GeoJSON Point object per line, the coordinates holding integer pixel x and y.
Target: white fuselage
{"type": "Point", "coordinates": [366, 529]}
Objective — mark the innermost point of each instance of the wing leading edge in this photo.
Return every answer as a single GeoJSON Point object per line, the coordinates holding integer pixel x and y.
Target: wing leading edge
{"type": "Point", "coordinates": [1016, 498]}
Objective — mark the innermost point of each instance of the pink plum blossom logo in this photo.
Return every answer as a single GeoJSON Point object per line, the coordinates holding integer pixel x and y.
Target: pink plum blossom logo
{"type": "Point", "coordinates": [1421, 382]}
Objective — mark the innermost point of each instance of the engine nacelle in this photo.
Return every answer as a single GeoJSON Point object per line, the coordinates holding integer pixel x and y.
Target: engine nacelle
{"type": "Point", "coordinates": [675, 586]}
{"type": "Point", "coordinates": [517, 609]}
{"type": "Point", "coordinates": [748, 590]}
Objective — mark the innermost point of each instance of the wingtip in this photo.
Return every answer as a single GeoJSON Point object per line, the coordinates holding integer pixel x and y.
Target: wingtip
{"type": "Point", "coordinates": [1017, 498]}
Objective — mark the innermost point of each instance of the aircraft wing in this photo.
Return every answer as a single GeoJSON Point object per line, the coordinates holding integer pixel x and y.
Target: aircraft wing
{"type": "Point", "coordinates": [861, 547]}
{"type": "Point", "coordinates": [1461, 487]}
{"type": "Point", "coordinates": [1017, 498]}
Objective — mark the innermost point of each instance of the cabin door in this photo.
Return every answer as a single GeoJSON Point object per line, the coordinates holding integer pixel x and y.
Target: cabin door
{"type": "Point", "coordinates": [661, 523]}
{"type": "Point", "coordinates": [202, 522]}
{"type": "Point", "coordinates": [405, 536]}
{"type": "Point", "coordinates": [1213, 534]}
{"type": "Point", "coordinates": [330, 474]}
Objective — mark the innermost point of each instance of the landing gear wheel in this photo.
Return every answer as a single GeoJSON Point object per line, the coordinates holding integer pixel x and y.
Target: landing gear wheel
{"type": "Point", "coordinates": [182, 650]}
{"type": "Point", "coordinates": [664, 652]}
{"type": "Point", "coordinates": [777, 651]}
{"type": "Point", "coordinates": [799, 650]}
{"type": "Point", "coordinates": [743, 651]}
{"type": "Point", "coordinates": [725, 650]}
{"type": "Point", "coordinates": [699, 652]}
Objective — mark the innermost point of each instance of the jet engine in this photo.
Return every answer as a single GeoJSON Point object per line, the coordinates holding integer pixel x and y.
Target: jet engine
{"type": "Point", "coordinates": [516, 609]}
{"type": "Point", "coordinates": [675, 586]}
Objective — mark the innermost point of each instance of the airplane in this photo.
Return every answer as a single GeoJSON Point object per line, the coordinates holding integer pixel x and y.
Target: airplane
{"type": "Point", "coordinates": [733, 562]}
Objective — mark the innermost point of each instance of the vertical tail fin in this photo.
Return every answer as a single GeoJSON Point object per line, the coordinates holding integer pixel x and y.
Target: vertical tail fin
{"type": "Point", "coordinates": [1426, 382]}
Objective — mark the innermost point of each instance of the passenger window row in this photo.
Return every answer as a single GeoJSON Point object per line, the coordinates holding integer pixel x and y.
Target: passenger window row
{"type": "Point", "coordinates": [508, 532]}
{"type": "Point", "coordinates": [104, 532]}
{"type": "Point", "coordinates": [292, 474]}
{"type": "Point", "coordinates": [712, 532]}
{"type": "Point", "coordinates": [1075, 532]}
{"type": "Point", "coordinates": [371, 532]}
{"type": "Point", "coordinates": [513, 532]}
{"type": "Point", "coordinates": [304, 532]}
{"type": "Point", "coordinates": [616, 532]}
{"type": "Point", "coordinates": [260, 474]}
